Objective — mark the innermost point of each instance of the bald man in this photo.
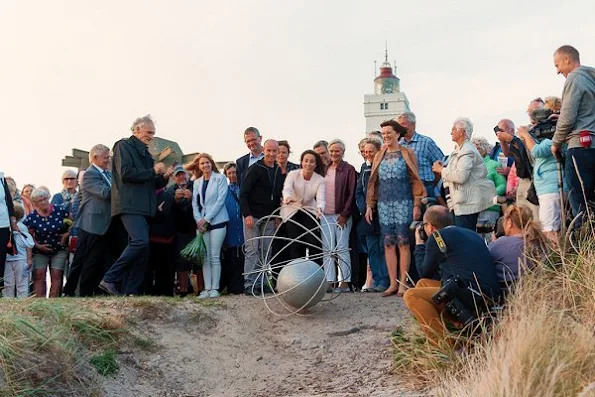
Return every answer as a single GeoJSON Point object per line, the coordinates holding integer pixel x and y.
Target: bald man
{"type": "Point", "coordinates": [449, 252]}
{"type": "Point", "coordinates": [260, 196]}
{"type": "Point", "coordinates": [512, 146]}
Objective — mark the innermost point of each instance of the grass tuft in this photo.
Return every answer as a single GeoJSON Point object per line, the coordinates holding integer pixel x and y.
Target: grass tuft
{"type": "Point", "coordinates": [543, 344]}
{"type": "Point", "coordinates": [105, 362]}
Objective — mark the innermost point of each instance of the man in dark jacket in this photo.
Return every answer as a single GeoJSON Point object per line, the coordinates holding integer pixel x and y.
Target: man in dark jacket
{"type": "Point", "coordinates": [135, 178]}
{"type": "Point", "coordinates": [450, 252]}
{"type": "Point", "coordinates": [92, 222]}
{"type": "Point", "coordinates": [252, 138]}
{"type": "Point", "coordinates": [260, 196]}
{"type": "Point", "coordinates": [184, 223]}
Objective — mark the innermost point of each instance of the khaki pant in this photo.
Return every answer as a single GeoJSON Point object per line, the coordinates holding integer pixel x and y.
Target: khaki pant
{"type": "Point", "coordinates": [521, 197]}
{"type": "Point", "coordinates": [419, 301]}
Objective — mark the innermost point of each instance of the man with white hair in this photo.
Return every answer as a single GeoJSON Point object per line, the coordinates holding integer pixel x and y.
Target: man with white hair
{"type": "Point", "coordinates": [135, 178]}
{"type": "Point", "coordinates": [92, 223]}
{"type": "Point", "coordinates": [425, 149]}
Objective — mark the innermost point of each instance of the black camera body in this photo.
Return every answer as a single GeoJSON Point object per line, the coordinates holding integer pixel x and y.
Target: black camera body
{"type": "Point", "coordinates": [450, 294]}
{"type": "Point", "coordinates": [545, 127]}
{"type": "Point", "coordinates": [427, 202]}
{"type": "Point", "coordinates": [485, 227]}
{"type": "Point", "coordinates": [422, 233]}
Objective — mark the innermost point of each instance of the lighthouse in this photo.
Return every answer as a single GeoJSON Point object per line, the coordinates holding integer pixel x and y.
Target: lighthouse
{"type": "Point", "coordinates": [387, 101]}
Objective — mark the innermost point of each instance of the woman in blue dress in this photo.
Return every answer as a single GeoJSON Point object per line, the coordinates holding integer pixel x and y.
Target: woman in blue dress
{"type": "Point", "coordinates": [395, 191]}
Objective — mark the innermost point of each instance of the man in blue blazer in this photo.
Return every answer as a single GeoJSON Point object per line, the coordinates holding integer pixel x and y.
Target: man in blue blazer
{"type": "Point", "coordinates": [253, 141]}
{"type": "Point", "coordinates": [93, 220]}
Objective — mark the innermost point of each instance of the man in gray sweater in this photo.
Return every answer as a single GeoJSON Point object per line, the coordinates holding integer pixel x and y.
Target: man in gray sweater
{"type": "Point", "coordinates": [576, 126]}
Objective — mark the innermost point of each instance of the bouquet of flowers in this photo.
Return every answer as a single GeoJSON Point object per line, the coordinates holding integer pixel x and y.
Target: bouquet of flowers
{"type": "Point", "coordinates": [195, 251]}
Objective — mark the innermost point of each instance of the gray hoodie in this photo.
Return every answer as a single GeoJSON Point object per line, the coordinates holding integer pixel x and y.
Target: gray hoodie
{"type": "Point", "coordinates": [578, 107]}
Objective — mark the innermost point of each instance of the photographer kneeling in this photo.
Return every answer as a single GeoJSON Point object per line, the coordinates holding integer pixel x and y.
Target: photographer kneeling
{"type": "Point", "coordinates": [462, 262]}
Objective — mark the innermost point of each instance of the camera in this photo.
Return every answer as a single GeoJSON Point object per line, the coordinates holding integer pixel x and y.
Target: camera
{"type": "Point", "coordinates": [545, 127]}
{"type": "Point", "coordinates": [422, 233]}
{"type": "Point", "coordinates": [426, 202]}
{"type": "Point", "coordinates": [485, 227]}
{"type": "Point", "coordinates": [449, 294]}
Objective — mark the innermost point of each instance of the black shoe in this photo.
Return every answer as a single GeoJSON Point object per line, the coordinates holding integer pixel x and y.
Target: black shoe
{"type": "Point", "coordinates": [110, 288]}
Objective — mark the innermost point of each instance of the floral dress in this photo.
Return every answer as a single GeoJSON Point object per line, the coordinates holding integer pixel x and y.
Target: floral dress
{"type": "Point", "coordinates": [395, 199]}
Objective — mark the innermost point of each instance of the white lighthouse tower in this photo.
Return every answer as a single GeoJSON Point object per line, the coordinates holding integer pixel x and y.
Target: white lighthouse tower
{"type": "Point", "coordinates": [388, 101]}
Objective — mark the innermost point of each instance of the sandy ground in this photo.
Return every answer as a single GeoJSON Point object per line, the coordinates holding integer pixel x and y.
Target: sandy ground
{"type": "Point", "coordinates": [233, 346]}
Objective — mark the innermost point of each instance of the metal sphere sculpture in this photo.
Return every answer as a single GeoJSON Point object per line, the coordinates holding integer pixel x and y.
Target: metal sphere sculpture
{"type": "Point", "coordinates": [301, 283]}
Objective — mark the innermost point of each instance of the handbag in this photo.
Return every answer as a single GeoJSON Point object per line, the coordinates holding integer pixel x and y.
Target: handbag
{"type": "Point", "coordinates": [532, 195]}
{"type": "Point", "coordinates": [11, 246]}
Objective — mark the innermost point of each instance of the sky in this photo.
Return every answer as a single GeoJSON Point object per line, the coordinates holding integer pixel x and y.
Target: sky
{"type": "Point", "coordinates": [77, 73]}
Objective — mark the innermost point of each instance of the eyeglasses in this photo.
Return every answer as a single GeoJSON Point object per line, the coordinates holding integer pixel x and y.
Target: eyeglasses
{"type": "Point", "coordinates": [497, 129]}
{"type": "Point", "coordinates": [69, 179]}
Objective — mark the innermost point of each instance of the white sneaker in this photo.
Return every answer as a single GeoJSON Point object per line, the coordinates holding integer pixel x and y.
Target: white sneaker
{"type": "Point", "coordinates": [214, 293]}
{"type": "Point", "coordinates": [204, 294]}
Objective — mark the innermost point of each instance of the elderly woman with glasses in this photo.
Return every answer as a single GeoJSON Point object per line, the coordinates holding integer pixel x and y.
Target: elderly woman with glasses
{"type": "Point", "coordinates": [49, 226]}
{"type": "Point", "coordinates": [66, 196]}
{"type": "Point", "coordinates": [469, 191]}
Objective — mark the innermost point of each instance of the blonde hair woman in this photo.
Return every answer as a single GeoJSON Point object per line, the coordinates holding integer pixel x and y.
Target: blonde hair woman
{"type": "Point", "coordinates": [210, 214]}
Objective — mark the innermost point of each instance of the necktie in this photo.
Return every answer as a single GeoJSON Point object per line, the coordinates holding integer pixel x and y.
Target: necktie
{"type": "Point", "coordinates": [107, 176]}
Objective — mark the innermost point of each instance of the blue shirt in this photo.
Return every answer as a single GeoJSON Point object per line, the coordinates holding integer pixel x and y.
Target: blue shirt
{"type": "Point", "coordinates": [235, 226]}
{"type": "Point", "coordinates": [426, 151]}
{"type": "Point", "coordinates": [253, 159]}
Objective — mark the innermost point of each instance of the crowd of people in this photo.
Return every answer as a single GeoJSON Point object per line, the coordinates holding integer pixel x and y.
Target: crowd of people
{"type": "Point", "coordinates": [119, 226]}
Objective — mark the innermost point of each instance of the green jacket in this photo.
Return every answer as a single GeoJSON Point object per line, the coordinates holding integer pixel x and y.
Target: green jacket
{"type": "Point", "coordinates": [499, 180]}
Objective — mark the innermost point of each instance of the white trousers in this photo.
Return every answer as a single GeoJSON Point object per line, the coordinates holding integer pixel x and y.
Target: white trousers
{"type": "Point", "coordinates": [211, 269]}
{"type": "Point", "coordinates": [336, 238]}
{"type": "Point", "coordinates": [16, 279]}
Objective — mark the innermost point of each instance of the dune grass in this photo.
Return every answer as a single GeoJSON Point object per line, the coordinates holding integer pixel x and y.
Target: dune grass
{"type": "Point", "coordinates": [46, 347]}
{"type": "Point", "coordinates": [543, 344]}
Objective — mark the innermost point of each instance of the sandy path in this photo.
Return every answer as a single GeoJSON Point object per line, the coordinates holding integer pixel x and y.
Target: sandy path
{"type": "Point", "coordinates": [236, 347]}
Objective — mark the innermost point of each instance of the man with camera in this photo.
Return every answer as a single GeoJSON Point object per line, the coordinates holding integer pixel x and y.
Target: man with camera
{"type": "Point", "coordinates": [457, 274]}
{"type": "Point", "coordinates": [512, 146]}
{"type": "Point", "coordinates": [576, 127]}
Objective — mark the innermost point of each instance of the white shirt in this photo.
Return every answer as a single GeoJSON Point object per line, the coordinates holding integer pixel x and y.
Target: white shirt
{"type": "Point", "coordinates": [102, 171]}
{"type": "Point", "coordinates": [23, 240]}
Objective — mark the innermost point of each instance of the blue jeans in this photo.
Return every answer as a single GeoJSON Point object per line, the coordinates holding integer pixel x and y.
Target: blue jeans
{"type": "Point", "coordinates": [131, 266]}
{"type": "Point", "coordinates": [375, 248]}
{"type": "Point", "coordinates": [585, 163]}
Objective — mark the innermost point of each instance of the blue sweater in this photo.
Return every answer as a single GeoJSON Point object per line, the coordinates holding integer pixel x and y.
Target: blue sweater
{"type": "Point", "coordinates": [545, 171]}
{"type": "Point", "coordinates": [235, 225]}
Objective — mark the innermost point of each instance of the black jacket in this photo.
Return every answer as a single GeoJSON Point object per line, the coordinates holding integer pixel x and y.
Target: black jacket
{"type": "Point", "coordinates": [466, 257]}
{"type": "Point", "coordinates": [260, 192]}
{"type": "Point", "coordinates": [8, 198]}
{"type": "Point", "coordinates": [134, 180]}
{"type": "Point", "coordinates": [182, 211]}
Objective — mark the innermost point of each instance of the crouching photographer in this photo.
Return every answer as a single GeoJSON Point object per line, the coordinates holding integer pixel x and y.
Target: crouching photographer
{"type": "Point", "coordinates": [457, 275]}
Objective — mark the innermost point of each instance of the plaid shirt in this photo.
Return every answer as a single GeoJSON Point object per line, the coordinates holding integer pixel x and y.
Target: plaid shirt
{"type": "Point", "coordinates": [427, 153]}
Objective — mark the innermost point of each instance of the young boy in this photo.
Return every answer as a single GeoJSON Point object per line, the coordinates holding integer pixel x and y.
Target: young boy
{"type": "Point", "coordinates": [16, 273]}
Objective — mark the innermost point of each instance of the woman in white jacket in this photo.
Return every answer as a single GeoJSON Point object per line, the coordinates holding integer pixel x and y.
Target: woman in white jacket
{"type": "Point", "coordinates": [465, 177]}
{"type": "Point", "coordinates": [208, 205]}
{"type": "Point", "coordinates": [304, 188]}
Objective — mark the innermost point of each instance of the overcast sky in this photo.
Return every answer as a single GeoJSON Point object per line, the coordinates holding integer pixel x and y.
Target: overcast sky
{"type": "Point", "coordinates": [77, 73]}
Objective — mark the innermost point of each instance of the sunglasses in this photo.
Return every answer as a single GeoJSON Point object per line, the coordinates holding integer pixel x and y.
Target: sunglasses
{"type": "Point", "coordinates": [497, 129]}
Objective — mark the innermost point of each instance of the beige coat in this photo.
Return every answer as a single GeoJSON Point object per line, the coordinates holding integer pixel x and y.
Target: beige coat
{"type": "Point", "coordinates": [466, 177]}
